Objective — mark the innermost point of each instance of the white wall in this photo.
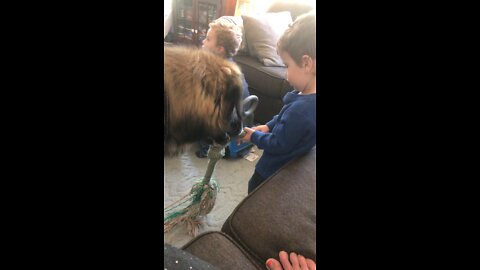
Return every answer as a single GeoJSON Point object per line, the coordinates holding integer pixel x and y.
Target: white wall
{"type": "Point", "coordinates": [167, 17]}
{"type": "Point", "coordinates": [167, 6]}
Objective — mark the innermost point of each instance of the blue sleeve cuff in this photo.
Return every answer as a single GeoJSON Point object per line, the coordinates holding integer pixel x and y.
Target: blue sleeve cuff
{"type": "Point", "coordinates": [254, 137]}
{"type": "Point", "coordinates": [270, 124]}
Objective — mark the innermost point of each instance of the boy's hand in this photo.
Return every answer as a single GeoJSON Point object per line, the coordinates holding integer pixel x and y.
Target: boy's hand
{"type": "Point", "coordinates": [247, 136]}
{"type": "Point", "coordinates": [262, 128]}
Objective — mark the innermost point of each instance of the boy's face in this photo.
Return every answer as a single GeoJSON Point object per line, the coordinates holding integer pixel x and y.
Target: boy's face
{"type": "Point", "coordinates": [296, 75]}
{"type": "Point", "coordinates": [210, 43]}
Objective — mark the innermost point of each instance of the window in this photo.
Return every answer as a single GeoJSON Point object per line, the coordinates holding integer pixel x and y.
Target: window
{"type": "Point", "coordinates": [249, 7]}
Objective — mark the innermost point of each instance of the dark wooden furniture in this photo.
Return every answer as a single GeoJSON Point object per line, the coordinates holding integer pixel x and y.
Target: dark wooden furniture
{"type": "Point", "coordinates": [191, 18]}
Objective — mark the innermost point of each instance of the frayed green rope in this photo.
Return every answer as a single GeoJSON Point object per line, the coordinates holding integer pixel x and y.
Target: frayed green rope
{"type": "Point", "coordinates": [202, 197]}
{"type": "Point", "coordinates": [195, 196]}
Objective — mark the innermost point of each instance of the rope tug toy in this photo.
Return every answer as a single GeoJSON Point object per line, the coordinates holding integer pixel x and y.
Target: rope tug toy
{"type": "Point", "coordinates": [202, 198]}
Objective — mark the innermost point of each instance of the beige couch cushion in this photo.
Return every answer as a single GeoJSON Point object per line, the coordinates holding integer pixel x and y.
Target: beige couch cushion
{"type": "Point", "coordinates": [262, 33]}
{"type": "Point", "coordinates": [280, 214]}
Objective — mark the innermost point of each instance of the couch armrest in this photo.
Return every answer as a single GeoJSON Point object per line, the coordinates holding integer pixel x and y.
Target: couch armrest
{"type": "Point", "coordinates": [280, 214]}
{"type": "Point", "coordinates": [174, 258]}
{"type": "Point", "coordinates": [221, 251]}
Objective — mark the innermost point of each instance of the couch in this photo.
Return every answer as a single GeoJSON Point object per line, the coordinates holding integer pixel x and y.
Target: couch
{"type": "Point", "coordinates": [280, 214]}
{"type": "Point", "coordinates": [266, 80]}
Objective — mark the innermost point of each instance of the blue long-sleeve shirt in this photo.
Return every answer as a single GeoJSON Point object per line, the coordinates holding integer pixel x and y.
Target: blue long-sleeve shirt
{"type": "Point", "coordinates": [292, 133]}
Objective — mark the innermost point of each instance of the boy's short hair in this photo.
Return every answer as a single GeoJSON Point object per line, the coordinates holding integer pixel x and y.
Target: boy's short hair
{"type": "Point", "coordinates": [229, 35]}
{"type": "Point", "coordinates": [300, 38]}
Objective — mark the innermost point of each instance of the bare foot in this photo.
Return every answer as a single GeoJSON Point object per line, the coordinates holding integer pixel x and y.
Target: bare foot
{"type": "Point", "coordinates": [296, 262]}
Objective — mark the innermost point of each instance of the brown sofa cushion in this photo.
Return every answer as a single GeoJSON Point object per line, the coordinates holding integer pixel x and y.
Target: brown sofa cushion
{"type": "Point", "coordinates": [280, 214]}
{"type": "Point", "coordinates": [267, 83]}
{"type": "Point", "coordinates": [261, 76]}
{"type": "Point", "coordinates": [221, 251]}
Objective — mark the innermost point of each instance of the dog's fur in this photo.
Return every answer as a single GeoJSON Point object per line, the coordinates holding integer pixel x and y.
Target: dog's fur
{"type": "Point", "coordinates": [202, 98]}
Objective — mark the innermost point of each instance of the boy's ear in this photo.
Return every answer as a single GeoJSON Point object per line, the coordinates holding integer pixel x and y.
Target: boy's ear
{"type": "Point", "coordinates": [221, 50]}
{"type": "Point", "coordinates": [308, 63]}
{"type": "Point", "coordinates": [306, 60]}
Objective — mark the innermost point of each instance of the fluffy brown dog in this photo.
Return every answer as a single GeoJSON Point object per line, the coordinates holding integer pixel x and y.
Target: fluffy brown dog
{"type": "Point", "coordinates": [202, 98]}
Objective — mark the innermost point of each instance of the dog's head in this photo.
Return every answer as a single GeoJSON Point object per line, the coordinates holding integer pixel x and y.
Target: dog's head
{"type": "Point", "coordinates": [204, 94]}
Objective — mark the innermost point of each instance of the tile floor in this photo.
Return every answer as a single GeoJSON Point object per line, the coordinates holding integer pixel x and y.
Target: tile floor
{"type": "Point", "coordinates": [182, 171]}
